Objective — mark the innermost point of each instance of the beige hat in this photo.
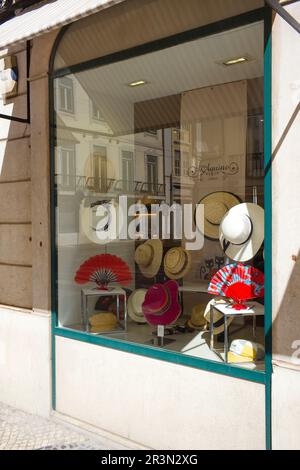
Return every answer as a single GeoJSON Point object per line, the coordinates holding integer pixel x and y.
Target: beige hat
{"type": "Point", "coordinates": [134, 305]}
{"type": "Point", "coordinates": [177, 263]}
{"type": "Point", "coordinates": [103, 321]}
{"type": "Point", "coordinates": [242, 231]}
{"type": "Point", "coordinates": [218, 318]}
{"type": "Point", "coordinates": [216, 205]}
{"type": "Point", "coordinates": [197, 320]}
{"type": "Point", "coordinates": [148, 257]}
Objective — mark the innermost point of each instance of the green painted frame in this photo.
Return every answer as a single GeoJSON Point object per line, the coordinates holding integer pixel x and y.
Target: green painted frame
{"type": "Point", "coordinates": [262, 377]}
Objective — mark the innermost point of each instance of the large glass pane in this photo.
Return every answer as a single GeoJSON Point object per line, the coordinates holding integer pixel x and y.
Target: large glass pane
{"type": "Point", "coordinates": [160, 221]}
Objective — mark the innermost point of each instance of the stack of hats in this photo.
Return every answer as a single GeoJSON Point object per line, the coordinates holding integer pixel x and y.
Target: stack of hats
{"type": "Point", "coordinates": [161, 306]}
{"type": "Point", "coordinates": [103, 321]}
{"type": "Point", "coordinates": [177, 263]}
{"type": "Point", "coordinates": [242, 350]}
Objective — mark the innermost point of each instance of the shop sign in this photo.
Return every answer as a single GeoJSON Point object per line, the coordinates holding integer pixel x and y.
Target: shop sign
{"type": "Point", "coordinates": [8, 76]}
{"type": "Point", "coordinates": [212, 170]}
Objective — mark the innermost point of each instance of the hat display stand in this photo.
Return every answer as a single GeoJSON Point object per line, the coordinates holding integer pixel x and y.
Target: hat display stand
{"type": "Point", "coordinates": [159, 338]}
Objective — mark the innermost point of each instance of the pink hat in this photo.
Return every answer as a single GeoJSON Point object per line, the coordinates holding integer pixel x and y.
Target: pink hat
{"type": "Point", "coordinates": [161, 306]}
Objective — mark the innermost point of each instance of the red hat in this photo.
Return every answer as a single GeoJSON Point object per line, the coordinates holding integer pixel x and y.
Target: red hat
{"type": "Point", "coordinates": [161, 306]}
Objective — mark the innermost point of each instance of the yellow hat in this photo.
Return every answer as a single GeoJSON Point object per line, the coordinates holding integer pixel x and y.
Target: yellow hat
{"type": "Point", "coordinates": [197, 320]}
{"type": "Point", "coordinates": [242, 350]}
{"type": "Point", "coordinates": [103, 321]}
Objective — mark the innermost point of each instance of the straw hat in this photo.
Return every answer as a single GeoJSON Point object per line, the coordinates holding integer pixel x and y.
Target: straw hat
{"type": "Point", "coordinates": [103, 321]}
{"type": "Point", "coordinates": [242, 231]}
{"type": "Point", "coordinates": [134, 305]}
{"type": "Point", "coordinates": [216, 205]}
{"type": "Point", "coordinates": [161, 306]}
{"type": "Point", "coordinates": [177, 263]}
{"type": "Point", "coordinates": [218, 318]}
{"type": "Point", "coordinates": [197, 320]}
{"type": "Point", "coordinates": [148, 257]}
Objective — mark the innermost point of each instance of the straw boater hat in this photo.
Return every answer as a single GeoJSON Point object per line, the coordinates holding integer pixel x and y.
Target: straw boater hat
{"type": "Point", "coordinates": [177, 263]}
{"type": "Point", "coordinates": [134, 305]}
{"type": "Point", "coordinates": [216, 205]}
{"type": "Point", "coordinates": [197, 320]}
{"type": "Point", "coordinates": [242, 231]}
{"type": "Point", "coordinates": [148, 257]}
{"type": "Point", "coordinates": [218, 318]}
{"type": "Point", "coordinates": [161, 306]}
{"type": "Point", "coordinates": [103, 321]}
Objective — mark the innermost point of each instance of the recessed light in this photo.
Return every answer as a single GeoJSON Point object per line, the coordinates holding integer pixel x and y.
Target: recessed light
{"type": "Point", "coordinates": [137, 83]}
{"type": "Point", "coordinates": [237, 60]}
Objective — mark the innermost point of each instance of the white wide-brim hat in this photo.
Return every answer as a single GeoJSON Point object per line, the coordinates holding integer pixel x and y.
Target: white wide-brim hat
{"type": "Point", "coordinates": [216, 205]}
{"type": "Point", "coordinates": [134, 305]}
{"type": "Point", "coordinates": [218, 318]}
{"type": "Point", "coordinates": [242, 231]}
{"type": "Point", "coordinates": [148, 257]}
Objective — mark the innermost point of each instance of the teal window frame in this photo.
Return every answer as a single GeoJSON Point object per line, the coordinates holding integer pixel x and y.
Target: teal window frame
{"type": "Point", "coordinates": [261, 377]}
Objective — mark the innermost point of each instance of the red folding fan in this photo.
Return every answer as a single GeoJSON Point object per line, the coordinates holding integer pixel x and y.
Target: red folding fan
{"type": "Point", "coordinates": [103, 269]}
{"type": "Point", "coordinates": [238, 282]}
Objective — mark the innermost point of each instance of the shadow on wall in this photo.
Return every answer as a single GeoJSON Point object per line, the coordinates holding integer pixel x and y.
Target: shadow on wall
{"type": "Point", "coordinates": [286, 325]}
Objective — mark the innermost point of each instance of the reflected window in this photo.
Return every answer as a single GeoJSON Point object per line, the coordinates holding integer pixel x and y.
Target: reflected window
{"type": "Point", "coordinates": [66, 166]}
{"type": "Point", "coordinates": [66, 95]}
{"type": "Point", "coordinates": [127, 170]}
{"type": "Point", "coordinates": [152, 173]}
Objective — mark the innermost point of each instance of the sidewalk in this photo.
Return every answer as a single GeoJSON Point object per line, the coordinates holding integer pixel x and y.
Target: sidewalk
{"type": "Point", "coordinates": [23, 431]}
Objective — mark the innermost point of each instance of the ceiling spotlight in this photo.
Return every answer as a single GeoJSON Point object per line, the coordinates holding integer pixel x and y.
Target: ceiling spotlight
{"type": "Point", "coordinates": [236, 60]}
{"type": "Point", "coordinates": [137, 83]}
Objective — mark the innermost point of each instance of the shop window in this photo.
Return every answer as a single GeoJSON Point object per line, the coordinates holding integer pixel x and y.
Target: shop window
{"type": "Point", "coordinates": [187, 277]}
{"type": "Point", "coordinates": [66, 95]}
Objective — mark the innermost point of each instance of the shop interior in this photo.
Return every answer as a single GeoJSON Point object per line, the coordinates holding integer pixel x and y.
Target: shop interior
{"type": "Point", "coordinates": [182, 125]}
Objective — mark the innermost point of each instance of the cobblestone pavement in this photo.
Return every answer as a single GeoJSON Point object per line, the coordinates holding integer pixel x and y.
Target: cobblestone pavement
{"type": "Point", "coordinates": [23, 431]}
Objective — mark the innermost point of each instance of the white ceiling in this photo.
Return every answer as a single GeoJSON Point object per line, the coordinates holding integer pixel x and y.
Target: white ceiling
{"type": "Point", "coordinates": [181, 68]}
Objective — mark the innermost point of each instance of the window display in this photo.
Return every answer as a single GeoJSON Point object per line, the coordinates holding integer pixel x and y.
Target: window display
{"type": "Point", "coordinates": [159, 218]}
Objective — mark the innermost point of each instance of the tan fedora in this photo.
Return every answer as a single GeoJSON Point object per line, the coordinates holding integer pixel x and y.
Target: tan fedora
{"type": "Point", "coordinates": [148, 257]}
{"type": "Point", "coordinates": [218, 318]}
{"type": "Point", "coordinates": [177, 263]}
{"type": "Point", "coordinates": [134, 305]}
{"type": "Point", "coordinates": [103, 321]}
{"type": "Point", "coordinates": [216, 206]}
{"type": "Point", "coordinates": [197, 320]}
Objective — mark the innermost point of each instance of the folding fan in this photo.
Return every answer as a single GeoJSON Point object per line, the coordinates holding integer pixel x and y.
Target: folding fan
{"type": "Point", "coordinates": [238, 282]}
{"type": "Point", "coordinates": [103, 269]}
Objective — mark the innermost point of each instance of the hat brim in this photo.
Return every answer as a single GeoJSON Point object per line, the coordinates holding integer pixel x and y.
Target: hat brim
{"type": "Point", "coordinates": [211, 231]}
{"type": "Point", "coordinates": [249, 249]}
{"type": "Point", "coordinates": [132, 310]}
{"type": "Point", "coordinates": [218, 318]}
{"type": "Point", "coordinates": [236, 358]}
{"type": "Point", "coordinates": [152, 269]}
{"type": "Point", "coordinates": [184, 271]}
{"type": "Point", "coordinates": [171, 314]}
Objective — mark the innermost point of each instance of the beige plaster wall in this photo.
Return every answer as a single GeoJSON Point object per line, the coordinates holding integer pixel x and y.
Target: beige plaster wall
{"type": "Point", "coordinates": [286, 229]}
{"type": "Point", "coordinates": [286, 188]}
{"type": "Point", "coordinates": [161, 405]}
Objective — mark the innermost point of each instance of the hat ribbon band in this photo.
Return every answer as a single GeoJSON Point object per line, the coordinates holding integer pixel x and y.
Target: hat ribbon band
{"type": "Point", "coordinates": [226, 243]}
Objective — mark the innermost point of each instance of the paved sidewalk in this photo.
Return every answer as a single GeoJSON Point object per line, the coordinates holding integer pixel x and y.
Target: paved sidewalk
{"type": "Point", "coordinates": [23, 431]}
